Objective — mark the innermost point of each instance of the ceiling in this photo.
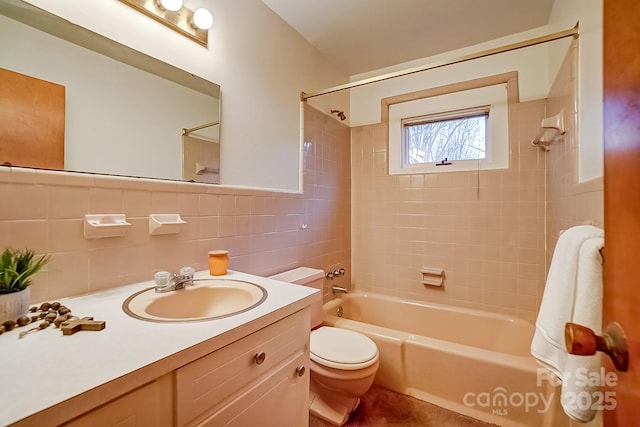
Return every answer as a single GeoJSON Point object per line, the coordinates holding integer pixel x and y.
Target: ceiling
{"type": "Point", "coordinates": [365, 35]}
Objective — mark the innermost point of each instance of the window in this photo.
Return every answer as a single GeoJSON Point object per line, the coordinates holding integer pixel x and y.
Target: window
{"type": "Point", "coordinates": [458, 135]}
{"type": "Point", "coordinates": [465, 130]}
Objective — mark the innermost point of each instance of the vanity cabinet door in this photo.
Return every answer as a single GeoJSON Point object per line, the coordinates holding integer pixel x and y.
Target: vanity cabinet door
{"type": "Point", "coordinates": [149, 405]}
{"type": "Point", "coordinates": [216, 380]}
{"type": "Point", "coordinates": [281, 400]}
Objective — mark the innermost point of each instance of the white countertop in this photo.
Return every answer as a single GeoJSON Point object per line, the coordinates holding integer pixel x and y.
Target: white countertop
{"type": "Point", "coordinates": [46, 367]}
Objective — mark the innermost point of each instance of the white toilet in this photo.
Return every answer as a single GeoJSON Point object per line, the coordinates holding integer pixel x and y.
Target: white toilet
{"type": "Point", "coordinates": [343, 362]}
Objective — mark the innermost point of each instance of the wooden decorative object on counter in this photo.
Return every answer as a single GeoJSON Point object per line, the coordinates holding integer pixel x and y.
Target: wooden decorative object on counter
{"type": "Point", "coordinates": [72, 326]}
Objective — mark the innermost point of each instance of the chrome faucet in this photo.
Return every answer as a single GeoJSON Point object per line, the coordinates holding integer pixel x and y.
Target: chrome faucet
{"type": "Point", "coordinates": [165, 282]}
{"type": "Point", "coordinates": [339, 290]}
{"type": "Point", "coordinates": [335, 273]}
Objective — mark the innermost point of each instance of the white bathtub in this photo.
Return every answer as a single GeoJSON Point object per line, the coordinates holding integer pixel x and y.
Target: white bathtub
{"type": "Point", "coordinates": [473, 362]}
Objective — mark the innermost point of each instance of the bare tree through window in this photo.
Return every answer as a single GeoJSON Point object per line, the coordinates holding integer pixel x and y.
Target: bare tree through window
{"type": "Point", "coordinates": [452, 138]}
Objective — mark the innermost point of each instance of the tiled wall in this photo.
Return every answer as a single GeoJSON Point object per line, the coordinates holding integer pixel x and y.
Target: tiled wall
{"type": "Point", "coordinates": [263, 230]}
{"type": "Point", "coordinates": [568, 203]}
{"type": "Point", "coordinates": [493, 232]}
{"type": "Point", "coordinates": [485, 229]}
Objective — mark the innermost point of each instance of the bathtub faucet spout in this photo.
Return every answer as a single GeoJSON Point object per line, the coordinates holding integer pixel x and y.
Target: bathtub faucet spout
{"type": "Point", "coordinates": [339, 290]}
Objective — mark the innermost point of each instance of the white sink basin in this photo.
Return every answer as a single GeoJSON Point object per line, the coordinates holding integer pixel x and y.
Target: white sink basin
{"type": "Point", "coordinates": [207, 299]}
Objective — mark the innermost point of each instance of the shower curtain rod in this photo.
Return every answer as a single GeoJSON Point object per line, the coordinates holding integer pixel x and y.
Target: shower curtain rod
{"type": "Point", "coordinates": [573, 32]}
{"type": "Point", "coordinates": [186, 132]}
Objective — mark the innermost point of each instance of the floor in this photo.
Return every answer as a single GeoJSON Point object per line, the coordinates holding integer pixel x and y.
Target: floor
{"type": "Point", "coordinates": [384, 408]}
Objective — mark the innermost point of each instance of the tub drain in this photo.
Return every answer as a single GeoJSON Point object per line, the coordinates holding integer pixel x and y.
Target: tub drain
{"type": "Point", "coordinates": [339, 311]}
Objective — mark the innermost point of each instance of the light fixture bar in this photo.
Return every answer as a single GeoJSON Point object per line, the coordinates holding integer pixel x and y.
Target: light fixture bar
{"type": "Point", "coordinates": [179, 21]}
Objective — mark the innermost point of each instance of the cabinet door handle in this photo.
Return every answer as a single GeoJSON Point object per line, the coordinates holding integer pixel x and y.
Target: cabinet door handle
{"type": "Point", "coordinates": [300, 370]}
{"type": "Point", "coordinates": [260, 357]}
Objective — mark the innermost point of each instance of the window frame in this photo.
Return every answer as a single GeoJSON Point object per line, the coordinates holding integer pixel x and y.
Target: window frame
{"type": "Point", "coordinates": [497, 128]}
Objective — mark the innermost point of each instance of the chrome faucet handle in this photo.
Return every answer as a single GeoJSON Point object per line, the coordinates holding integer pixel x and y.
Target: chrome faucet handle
{"type": "Point", "coordinates": [186, 274]}
{"type": "Point", "coordinates": [335, 273]}
{"type": "Point", "coordinates": [163, 281]}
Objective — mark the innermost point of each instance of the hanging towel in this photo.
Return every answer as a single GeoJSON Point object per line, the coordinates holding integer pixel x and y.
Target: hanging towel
{"type": "Point", "coordinates": [573, 293]}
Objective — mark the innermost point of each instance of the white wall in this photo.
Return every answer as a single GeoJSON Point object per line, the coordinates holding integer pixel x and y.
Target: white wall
{"type": "Point", "coordinates": [260, 62]}
{"type": "Point", "coordinates": [531, 64]}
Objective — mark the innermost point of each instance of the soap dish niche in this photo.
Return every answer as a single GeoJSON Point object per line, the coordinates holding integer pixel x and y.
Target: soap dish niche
{"type": "Point", "coordinates": [98, 226]}
{"type": "Point", "coordinates": [165, 224]}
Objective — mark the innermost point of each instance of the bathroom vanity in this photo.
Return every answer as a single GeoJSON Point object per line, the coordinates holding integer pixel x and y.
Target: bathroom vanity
{"type": "Point", "coordinates": [248, 369]}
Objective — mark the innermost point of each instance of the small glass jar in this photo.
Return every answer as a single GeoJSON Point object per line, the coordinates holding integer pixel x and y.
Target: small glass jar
{"type": "Point", "coordinates": [218, 262]}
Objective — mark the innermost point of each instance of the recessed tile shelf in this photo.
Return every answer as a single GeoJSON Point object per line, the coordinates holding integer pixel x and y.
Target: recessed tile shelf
{"type": "Point", "coordinates": [165, 224]}
{"type": "Point", "coordinates": [98, 226]}
{"type": "Point", "coordinates": [432, 276]}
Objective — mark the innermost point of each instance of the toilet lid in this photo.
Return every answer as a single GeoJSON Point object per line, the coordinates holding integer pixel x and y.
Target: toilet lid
{"type": "Point", "coordinates": [342, 349]}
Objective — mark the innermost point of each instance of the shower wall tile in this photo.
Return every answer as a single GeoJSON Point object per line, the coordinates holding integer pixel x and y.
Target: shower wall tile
{"type": "Point", "coordinates": [493, 232]}
{"type": "Point", "coordinates": [484, 228]}
{"type": "Point", "coordinates": [266, 232]}
{"type": "Point", "coordinates": [569, 202]}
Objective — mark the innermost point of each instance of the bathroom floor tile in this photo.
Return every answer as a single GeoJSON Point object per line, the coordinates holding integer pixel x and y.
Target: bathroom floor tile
{"type": "Point", "coordinates": [384, 408]}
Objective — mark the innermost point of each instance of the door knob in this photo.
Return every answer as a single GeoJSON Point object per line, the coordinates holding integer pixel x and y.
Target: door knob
{"type": "Point", "coordinates": [582, 341]}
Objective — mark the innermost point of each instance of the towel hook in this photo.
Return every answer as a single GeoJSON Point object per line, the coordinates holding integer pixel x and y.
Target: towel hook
{"type": "Point", "coordinates": [582, 341]}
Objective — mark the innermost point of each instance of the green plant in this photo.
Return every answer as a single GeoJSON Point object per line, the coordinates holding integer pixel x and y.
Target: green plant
{"type": "Point", "coordinates": [17, 267]}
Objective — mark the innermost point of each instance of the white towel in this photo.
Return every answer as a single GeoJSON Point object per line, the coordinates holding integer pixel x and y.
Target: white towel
{"type": "Point", "coordinates": [573, 293]}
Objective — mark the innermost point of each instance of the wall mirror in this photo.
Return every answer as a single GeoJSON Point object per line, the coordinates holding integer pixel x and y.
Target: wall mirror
{"type": "Point", "coordinates": [124, 111]}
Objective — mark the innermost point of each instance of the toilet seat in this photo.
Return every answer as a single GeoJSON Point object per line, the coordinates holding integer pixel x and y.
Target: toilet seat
{"type": "Point", "coordinates": [342, 349]}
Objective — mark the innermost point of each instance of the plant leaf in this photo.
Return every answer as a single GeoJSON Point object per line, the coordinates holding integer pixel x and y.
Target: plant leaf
{"type": "Point", "coordinates": [17, 267]}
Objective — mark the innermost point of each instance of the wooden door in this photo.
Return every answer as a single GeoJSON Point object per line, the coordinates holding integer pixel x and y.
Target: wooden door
{"type": "Point", "coordinates": [32, 119]}
{"type": "Point", "coordinates": [622, 196]}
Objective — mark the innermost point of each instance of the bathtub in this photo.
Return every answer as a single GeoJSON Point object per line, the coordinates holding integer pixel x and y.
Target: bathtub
{"type": "Point", "coordinates": [472, 362]}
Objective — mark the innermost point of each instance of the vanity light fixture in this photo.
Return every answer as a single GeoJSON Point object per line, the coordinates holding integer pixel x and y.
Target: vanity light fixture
{"type": "Point", "coordinates": [173, 14]}
{"type": "Point", "coordinates": [171, 5]}
{"type": "Point", "coordinates": [202, 19]}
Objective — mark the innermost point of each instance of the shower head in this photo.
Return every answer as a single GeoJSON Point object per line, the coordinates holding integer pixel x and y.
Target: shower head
{"type": "Point", "coordinates": [340, 114]}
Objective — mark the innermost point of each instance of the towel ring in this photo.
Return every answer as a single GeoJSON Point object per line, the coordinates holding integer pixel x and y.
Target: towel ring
{"type": "Point", "coordinates": [582, 341]}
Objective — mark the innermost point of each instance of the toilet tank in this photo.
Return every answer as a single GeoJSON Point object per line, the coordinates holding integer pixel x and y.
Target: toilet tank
{"type": "Point", "coordinates": [306, 276]}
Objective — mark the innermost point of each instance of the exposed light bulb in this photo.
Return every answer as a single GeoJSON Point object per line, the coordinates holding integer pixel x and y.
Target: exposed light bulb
{"type": "Point", "coordinates": [171, 5]}
{"type": "Point", "coordinates": [202, 19]}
